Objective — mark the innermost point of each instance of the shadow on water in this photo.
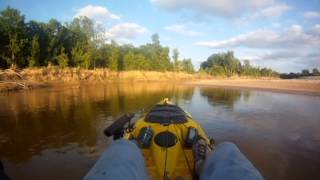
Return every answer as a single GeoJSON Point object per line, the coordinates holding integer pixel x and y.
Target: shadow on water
{"type": "Point", "coordinates": [57, 133]}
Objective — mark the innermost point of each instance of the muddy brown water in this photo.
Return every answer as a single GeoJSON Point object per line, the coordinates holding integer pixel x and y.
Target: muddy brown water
{"type": "Point", "coordinates": [57, 133]}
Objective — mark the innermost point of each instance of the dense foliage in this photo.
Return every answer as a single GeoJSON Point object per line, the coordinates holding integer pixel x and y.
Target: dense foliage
{"type": "Point", "coordinates": [79, 43]}
{"type": "Point", "coordinates": [225, 64]}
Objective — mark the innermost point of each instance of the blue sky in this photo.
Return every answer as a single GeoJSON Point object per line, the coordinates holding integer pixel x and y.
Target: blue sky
{"type": "Point", "coordinates": [283, 35]}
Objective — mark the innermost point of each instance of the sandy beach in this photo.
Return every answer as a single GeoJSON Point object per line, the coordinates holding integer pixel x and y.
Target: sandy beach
{"type": "Point", "coordinates": [296, 86]}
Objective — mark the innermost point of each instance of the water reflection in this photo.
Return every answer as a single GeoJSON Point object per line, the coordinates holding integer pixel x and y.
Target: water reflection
{"type": "Point", "coordinates": [52, 119]}
{"type": "Point", "coordinates": [57, 133]}
{"type": "Point", "coordinates": [278, 132]}
{"type": "Point", "coordinates": [222, 96]}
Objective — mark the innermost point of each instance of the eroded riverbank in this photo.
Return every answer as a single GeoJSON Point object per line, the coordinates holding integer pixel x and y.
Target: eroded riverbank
{"type": "Point", "coordinates": [32, 78]}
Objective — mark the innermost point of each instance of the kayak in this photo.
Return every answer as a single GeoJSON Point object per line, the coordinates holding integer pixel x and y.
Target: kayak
{"type": "Point", "coordinates": [165, 133]}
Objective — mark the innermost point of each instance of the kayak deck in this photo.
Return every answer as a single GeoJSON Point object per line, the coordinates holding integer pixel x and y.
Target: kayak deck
{"type": "Point", "coordinates": [175, 162]}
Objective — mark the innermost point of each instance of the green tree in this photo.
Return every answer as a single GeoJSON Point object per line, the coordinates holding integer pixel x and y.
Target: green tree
{"type": "Point", "coordinates": [91, 35]}
{"type": "Point", "coordinates": [315, 72]}
{"type": "Point", "coordinates": [62, 59]}
{"type": "Point", "coordinates": [175, 57]}
{"type": "Point", "coordinates": [128, 61]}
{"type": "Point", "coordinates": [123, 50]}
{"type": "Point", "coordinates": [163, 62]}
{"type": "Point", "coordinates": [35, 52]}
{"type": "Point", "coordinates": [226, 64]}
{"type": "Point", "coordinates": [141, 62]}
{"type": "Point", "coordinates": [39, 30]}
{"type": "Point", "coordinates": [53, 29]}
{"type": "Point", "coordinates": [155, 39]}
{"type": "Point", "coordinates": [80, 56]}
{"type": "Point", "coordinates": [3, 63]}
{"type": "Point", "coordinates": [231, 64]}
{"type": "Point", "coordinates": [79, 43]}
{"type": "Point", "coordinates": [157, 55]}
{"type": "Point", "coordinates": [227, 61]}
{"type": "Point", "coordinates": [14, 36]}
{"type": "Point", "coordinates": [217, 71]}
{"type": "Point", "coordinates": [82, 25]}
{"type": "Point", "coordinates": [187, 66]}
{"type": "Point", "coordinates": [16, 48]}
{"type": "Point", "coordinates": [101, 57]}
{"type": "Point", "coordinates": [305, 72]}
{"type": "Point", "coordinates": [113, 59]}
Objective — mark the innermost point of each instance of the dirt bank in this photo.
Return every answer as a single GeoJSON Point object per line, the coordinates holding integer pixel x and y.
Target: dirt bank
{"type": "Point", "coordinates": [297, 86]}
{"type": "Point", "coordinates": [49, 74]}
{"type": "Point", "coordinates": [29, 78]}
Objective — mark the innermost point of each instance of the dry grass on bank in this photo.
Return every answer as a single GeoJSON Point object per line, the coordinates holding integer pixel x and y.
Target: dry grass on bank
{"type": "Point", "coordinates": [100, 75]}
{"type": "Point", "coordinates": [48, 74]}
{"type": "Point", "coordinates": [11, 80]}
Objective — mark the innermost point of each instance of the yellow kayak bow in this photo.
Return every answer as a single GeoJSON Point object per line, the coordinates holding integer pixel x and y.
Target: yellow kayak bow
{"type": "Point", "coordinates": [165, 134]}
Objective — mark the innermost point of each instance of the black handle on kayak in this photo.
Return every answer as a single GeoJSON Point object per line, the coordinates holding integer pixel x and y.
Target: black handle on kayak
{"type": "Point", "coordinates": [116, 129]}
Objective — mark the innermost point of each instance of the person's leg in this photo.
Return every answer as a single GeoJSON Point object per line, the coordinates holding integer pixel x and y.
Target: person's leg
{"type": "Point", "coordinates": [122, 160]}
{"type": "Point", "coordinates": [200, 149]}
{"type": "Point", "coordinates": [228, 163]}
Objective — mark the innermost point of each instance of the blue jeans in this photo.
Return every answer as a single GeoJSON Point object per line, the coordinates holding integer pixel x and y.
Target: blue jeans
{"type": "Point", "coordinates": [123, 160]}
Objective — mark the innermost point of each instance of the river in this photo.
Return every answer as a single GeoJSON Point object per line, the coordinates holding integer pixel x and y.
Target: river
{"type": "Point", "coordinates": [57, 133]}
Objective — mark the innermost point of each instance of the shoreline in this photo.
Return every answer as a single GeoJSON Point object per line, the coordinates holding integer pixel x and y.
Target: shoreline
{"type": "Point", "coordinates": [16, 86]}
{"type": "Point", "coordinates": [35, 78]}
{"type": "Point", "coordinates": [32, 78]}
{"type": "Point", "coordinates": [293, 86]}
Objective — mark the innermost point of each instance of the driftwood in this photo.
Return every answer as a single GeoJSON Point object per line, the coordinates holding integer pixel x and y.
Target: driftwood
{"type": "Point", "coordinates": [87, 76]}
{"type": "Point", "coordinates": [6, 74]}
{"type": "Point", "coordinates": [10, 72]}
{"type": "Point", "coordinates": [21, 84]}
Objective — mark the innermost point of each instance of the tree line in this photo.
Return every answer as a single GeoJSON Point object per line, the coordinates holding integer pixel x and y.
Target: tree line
{"type": "Point", "coordinates": [82, 43]}
{"type": "Point", "coordinates": [226, 64]}
{"type": "Point", "coordinates": [79, 43]}
{"type": "Point", "coordinates": [303, 73]}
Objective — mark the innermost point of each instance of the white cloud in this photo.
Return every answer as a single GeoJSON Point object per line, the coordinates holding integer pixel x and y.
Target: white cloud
{"type": "Point", "coordinates": [121, 32]}
{"type": "Point", "coordinates": [284, 60]}
{"type": "Point", "coordinates": [226, 8]}
{"type": "Point", "coordinates": [125, 32]}
{"type": "Point", "coordinates": [290, 50]}
{"type": "Point", "coordinates": [98, 13]}
{"type": "Point", "coordinates": [316, 30]}
{"type": "Point", "coordinates": [276, 24]}
{"type": "Point", "coordinates": [260, 38]}
{"type": "Point", "coordinates": [281, 54]}
{"type": "Point", "coordinates": [289, 38]}
{"type": "Point", "coordinates": [311, 15]}
{"type": "Point", "coordinates": [272, 12]}
{"type": "Point", "coordinates": [182, 29]}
